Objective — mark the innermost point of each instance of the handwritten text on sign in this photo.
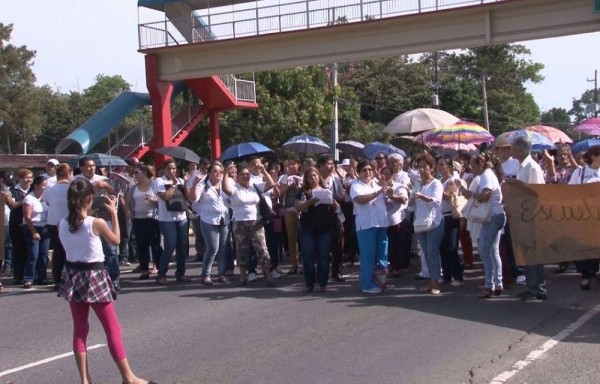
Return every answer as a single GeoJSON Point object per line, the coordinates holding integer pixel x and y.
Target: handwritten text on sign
{"type": "Point", "coordinates": [553, 223]}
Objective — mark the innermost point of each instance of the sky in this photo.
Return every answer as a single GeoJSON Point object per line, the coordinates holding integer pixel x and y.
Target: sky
{"type": "Point", "coordinates": [76, 40]}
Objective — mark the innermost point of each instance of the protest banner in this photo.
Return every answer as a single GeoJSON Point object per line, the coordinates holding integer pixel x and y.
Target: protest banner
{"type": "Point", "coordinates": [553, 223]}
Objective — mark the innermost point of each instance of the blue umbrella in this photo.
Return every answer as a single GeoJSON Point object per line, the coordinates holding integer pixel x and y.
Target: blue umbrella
{"type": "Point", "coordinates": [306, 144]}
{"type": "Point", "coordinates": [100, 160]}
{"type": "Point", "coordinates": [538, 141]}
{"type": "Point", "coordinates": [243, 151]}
{"type": "Point", "coordinates": [584, 145]}
{"type": "Point", "coordinates": [372, 149]}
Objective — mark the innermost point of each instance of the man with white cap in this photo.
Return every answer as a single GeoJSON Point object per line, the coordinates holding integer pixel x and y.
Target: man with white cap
{"type": "Point", "coordinates": [50, 172]}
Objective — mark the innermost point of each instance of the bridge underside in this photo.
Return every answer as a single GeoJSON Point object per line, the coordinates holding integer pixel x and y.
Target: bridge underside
{"type": "Point", "coordinates": [467, 27]}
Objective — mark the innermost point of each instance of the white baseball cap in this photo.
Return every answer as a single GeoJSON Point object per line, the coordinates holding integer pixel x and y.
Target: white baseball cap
{"type": "Point", "coordinates": [53, 161]}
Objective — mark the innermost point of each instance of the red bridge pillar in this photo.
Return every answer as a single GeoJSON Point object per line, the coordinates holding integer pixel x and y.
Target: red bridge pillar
{"type": "Point", "coordinates": [160, 94]}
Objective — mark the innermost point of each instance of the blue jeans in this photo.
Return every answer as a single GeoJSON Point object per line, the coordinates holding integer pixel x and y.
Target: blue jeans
{"type": "Point", "coordinates": [176, 238]}
{"type": "Point", "coordinates": [111, 259]}
{"type": "Point", "coordinates": [199, 244]}
{"type": "Point", "coordinates": [147, 237]}
{"type": "Point", "coordinates": [316, 248]}
{"type": "Point", "coordinates": [215, 238]}
{"type": "Point", "coordinates": [37, 254]}
{"type": "Point", "coordinates": [373, 249]}
{"type": "Point", "coordinates": [431, 242]}
{"type": "Point", "coordinates": [489, 251]}
{"type": "Point", "coordinates": [536, 280]}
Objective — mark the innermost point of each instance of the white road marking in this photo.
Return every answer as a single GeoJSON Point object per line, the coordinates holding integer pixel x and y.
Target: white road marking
{"type": "Point", "coordinates": [539, 352]}
{"type": "Point", "coordinates": [40, 362]}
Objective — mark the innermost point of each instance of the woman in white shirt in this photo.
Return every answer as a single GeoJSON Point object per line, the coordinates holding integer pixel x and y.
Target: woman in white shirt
{"type": "Point", "coordinates": [214, 219]}
{"type": "Point", "coordinates": [247, 230]}
{"type": "Point", "coordinates": [140, 206]}
{"type": "Point", "coordinates": [35, 217]}
{"type": "Point", "coordinates": [396, 204]}
{"type": "Point", "coordinates": [371, 225]}
{"type": "Point", "coordinates": [590, 173]}
{"type": "Point", "coordinates": [56, 199]}
{"type": "Point", "coordinates": [173, 223]}
{"type": "Point", "coordinates": [429, 221]}
{"type": "Point", "coordinates": [489, 169]}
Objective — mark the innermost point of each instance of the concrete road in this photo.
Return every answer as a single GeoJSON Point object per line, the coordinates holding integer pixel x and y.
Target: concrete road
{"type": "Point", "coordinates": [190, 333]}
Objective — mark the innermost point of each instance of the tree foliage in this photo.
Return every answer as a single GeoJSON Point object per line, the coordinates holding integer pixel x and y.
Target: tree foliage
{"type": "Point", "coordinates": [584, 107]}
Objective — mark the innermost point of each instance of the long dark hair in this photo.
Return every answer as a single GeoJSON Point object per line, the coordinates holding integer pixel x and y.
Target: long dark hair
{"type": "Point", "coordinates": [78, 195]}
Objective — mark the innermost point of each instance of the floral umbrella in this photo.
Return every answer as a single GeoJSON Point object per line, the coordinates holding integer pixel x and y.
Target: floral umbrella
{"type": "Point", "coordinates": [589, 126]}
{"type": "Point", "coordinates": [462, 136]}
{"type": "Point", "coordinates": [554, 134]}
{"type": "Point", "coordinates": [538, 141]}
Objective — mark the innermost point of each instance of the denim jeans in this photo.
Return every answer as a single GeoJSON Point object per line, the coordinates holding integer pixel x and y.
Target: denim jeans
{"type": "Point", "coordinates": [316, 248]}
{"type": "Point", "coordinates": [489, 251]}
{"type": "Point", "coordinates": [111, 259]}
{"type": "Point", "coordinates": [431, 242]}
{"type": "Point", "coordinates": [373, 249]}
{"type": "Point", "coordinates": [147, 237]}
{"type": "Point", "coordinates": [37, 254]}
{"type": "Point", "coordinates": [176, 238]}
{"type": "Point", "coordinates": [536, 280]}
{"type": "Point", "coordinates": [215, 238]}
{"type": "Point", "coordinates": [199, 244]}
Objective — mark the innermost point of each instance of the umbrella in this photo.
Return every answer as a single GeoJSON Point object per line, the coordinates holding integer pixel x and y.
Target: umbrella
{"type": "Point", "coordinates": [589, 126]}
{"type": "Point", "coordinates": [419, 120]}
{"type": "Point", "coordinates": [538, 141]}
{"type": "Point", "coordinates": [243, 151]}
{"type": "Point", "coordinates": [554, 134]}
{"type": "Point", "coordinates": [351, 149]}
{"type": "Point", "coordinates": [456, 147]}
{"type": "Point", "coordinates": [462, 135]}
{"type": "Point", "coordinates": [100, 160]}
{"type": "Point", "coordinates": [180, 153]}
{"type": "Point", "coordinates": [306, 144]}
{"type": "Point", "coordinates": [584, 145]}
{"type": "Point", "coordinates": [372, 149]}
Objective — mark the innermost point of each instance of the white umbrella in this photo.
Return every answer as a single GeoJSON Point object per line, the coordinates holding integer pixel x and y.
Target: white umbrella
{"type": "Point", "coordinates": [306, 144]}
{"type": "Point", "coordinates": [419, 120]}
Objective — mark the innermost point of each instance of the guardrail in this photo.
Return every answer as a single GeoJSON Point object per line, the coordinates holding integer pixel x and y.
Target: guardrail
{"type": "Point", "coordinates": [288, 15]}
{"type": "Point", "coordinates": [242, 90]}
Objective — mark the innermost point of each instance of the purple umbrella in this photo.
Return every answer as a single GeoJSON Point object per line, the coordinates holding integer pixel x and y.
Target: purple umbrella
{"type": "Point", "coordinates": [589, 126]}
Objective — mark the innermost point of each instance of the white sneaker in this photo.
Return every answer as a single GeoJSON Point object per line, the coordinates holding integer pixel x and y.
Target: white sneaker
{"type": "Point", "coordinates": [521, 280]}
{"type": "Point", "coordinates": [372, 290]}
{"type": "Point", "coordinates": [457, 283]}
{"type": "Point", "coordinates": [252, 277]}
{"type": "Point", "coordinates": [275, 274]}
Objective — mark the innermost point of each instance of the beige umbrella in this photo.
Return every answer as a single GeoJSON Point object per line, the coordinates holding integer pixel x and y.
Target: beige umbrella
{"type": "Point", "coordinates": [419, 120]}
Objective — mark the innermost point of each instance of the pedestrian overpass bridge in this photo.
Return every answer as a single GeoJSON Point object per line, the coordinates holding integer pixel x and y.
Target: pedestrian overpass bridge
{"type": "Point", "coordinates": [199, 38]}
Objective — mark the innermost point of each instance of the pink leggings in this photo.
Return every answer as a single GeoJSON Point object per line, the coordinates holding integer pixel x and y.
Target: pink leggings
{"type": "Point", "coordinates": [108, 318]}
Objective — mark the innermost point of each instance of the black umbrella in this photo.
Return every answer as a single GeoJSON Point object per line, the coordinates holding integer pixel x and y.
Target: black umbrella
{"type": "Point", "coordinates": [180, 153]}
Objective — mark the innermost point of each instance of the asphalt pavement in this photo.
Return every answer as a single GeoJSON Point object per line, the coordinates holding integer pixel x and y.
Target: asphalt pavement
{"type": "Point", "coordinates": [191, 333]}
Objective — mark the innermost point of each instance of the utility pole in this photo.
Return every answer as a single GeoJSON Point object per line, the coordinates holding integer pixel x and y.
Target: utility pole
{"type": "Point", "coordinates": [334, 127]}
{"type": "Point", "coordinates": [435, 98]}
{"type": "Point", "coordinates": [595, 80]}
{"type": "Point", "coordinates": [485, 106]}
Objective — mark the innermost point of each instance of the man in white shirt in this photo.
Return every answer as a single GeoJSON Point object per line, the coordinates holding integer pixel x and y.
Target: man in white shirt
{"type": "Point", "coordinates": [530, 172]}
{"type": "Point", "coordinates": [510, 166]}
{"type": "Point", "coordinates": [50, 172]}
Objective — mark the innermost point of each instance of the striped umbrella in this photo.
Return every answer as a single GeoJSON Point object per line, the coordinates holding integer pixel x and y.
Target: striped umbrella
{"type": "Point", "coordinates": [457, 136]}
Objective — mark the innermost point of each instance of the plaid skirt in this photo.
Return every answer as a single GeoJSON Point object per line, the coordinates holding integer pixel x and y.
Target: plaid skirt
{"type": "Point", "coordinates": [86, 286]}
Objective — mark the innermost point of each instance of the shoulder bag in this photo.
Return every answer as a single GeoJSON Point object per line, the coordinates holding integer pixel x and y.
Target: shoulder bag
{"type": "Point", "coordinates": [177, 202]}
{"type": "Point", "coordinates": [263, 207]}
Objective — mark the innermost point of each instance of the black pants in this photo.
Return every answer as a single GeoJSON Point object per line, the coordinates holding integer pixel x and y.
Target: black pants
{"type": "Point", "coordinates": [451, 267]}
{"type": "Point", "coordinates": [58, 254]}
{"type": "Point", "coordinates": [19, 254]}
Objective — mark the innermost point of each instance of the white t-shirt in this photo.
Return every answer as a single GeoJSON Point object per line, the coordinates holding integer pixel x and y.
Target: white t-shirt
{"type": "Point", "coordinates": [56, 198]}
{"type": "Point", "coordinates": [396, 212]}
{"type": "Point", "coordinates": [589, 175]}
{"type": "Point", "coordinates": [510, 168]}
{"type": "Point", "coordinates": [163, 214]}
{"type": "Point", "coordinates": [488, 180]}
{"type": "Point", "coordinates": [39, 210]}
{"type": "Point", "coordinates": [372, 214]}
{"type": "Point", "coordinates": [83, 245]}
{"type": "Point", "coordinates": [434, 190]}
{"type": "Point", "coordinates": [244, 201]}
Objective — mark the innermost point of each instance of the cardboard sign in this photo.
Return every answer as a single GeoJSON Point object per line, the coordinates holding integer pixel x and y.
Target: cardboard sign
{"type": "Point", "coordinates": [553, 223]}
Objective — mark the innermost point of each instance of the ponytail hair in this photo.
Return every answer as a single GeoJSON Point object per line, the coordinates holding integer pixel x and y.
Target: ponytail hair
{"type": "Point", "coordinates": [78, 195]}
{"type": "Point", "coordinates": [490, 161]}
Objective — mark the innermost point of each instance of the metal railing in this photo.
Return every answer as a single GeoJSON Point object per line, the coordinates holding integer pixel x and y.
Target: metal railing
{"type": "Point", "coordinates": [289, 15]}
{"type": "Point", "coordinates": [183, 117]}
{"type": "Point", "coordinates": [242, 90]}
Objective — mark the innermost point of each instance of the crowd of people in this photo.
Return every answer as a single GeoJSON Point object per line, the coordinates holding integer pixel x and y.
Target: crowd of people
{"type": "Point", "coordinates": [321, 214]}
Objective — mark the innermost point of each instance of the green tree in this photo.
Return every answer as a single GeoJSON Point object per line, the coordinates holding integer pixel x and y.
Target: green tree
{"type": "Point", "coordinates": [556, 117]}
{"type": "Point", "coordinates": [18, 110]}
{"type": "Point", "coordinates": [584, 107]}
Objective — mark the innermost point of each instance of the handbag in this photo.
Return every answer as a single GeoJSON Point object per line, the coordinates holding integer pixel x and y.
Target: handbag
{"type": "Point", "coordinates": [264, 209]}
{"type": "Point", "coordinates": [457, 203]}
{"type": "Point", "coordinates": [177, 202]}
{"type": "Point", "coordinates": [423, 224]}
{"type": "Point", "coordinates": [477, 211]}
